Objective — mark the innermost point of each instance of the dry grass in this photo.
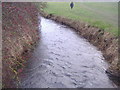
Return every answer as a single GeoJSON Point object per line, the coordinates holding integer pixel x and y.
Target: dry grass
{"type": "Point", "coordinates": [20, 25]}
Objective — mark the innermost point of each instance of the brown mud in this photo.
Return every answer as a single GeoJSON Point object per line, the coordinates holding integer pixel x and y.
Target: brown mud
{"type": "Point", "coordinates": [105, 42]}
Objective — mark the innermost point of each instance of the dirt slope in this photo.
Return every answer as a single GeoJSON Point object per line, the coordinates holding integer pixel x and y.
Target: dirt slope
{"type": "Point", "coordinates": [20, 32]}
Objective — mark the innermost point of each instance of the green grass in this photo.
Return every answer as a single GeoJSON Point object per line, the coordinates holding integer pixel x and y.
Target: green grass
{"type": "Point", "coordinates": [102, 14]}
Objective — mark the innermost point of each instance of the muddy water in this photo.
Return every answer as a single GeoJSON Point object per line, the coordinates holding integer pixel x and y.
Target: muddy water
{"type": "Point", "coordinates": [63, 59]}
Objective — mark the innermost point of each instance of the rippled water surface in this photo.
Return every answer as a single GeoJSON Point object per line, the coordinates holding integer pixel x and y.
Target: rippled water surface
{"type": "Point", "coordinates": [63, 59]}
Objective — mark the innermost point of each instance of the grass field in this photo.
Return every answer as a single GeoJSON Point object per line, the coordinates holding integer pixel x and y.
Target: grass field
{"type": "Point", "coordinates": [102, 14]}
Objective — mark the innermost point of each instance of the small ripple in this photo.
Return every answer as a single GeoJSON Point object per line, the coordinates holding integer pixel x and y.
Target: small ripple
{"type": "Point", "coordinates": [59, 85]}
{"type": "Point", "coordinates": [67, 74]}
{"type": "Point", "coordinates": [55, 54]}
{"type": "Point", "coordinates": [48, 63]}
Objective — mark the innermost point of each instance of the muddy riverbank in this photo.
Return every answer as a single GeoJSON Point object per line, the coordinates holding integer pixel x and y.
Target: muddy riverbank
{"type": "Point", "coordinates": [106, 42]}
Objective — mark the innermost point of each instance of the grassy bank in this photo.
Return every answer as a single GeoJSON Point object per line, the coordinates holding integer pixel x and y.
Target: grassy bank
{"type": "Point", "coordinates": [103, 15]}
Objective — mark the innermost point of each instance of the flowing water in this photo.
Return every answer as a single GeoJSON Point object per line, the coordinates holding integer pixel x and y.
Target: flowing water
{"type": "Point", "coordinates": [63, 59]}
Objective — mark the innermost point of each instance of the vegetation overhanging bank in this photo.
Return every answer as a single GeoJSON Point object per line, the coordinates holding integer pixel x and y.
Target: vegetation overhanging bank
{"type": "Point", "coordinates": [106, 42]}
{"type": "Point", "coordinates": [20, 33]}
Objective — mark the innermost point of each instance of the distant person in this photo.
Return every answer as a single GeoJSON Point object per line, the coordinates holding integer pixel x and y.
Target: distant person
{"type": "Point", "coordinates": [71, 5]}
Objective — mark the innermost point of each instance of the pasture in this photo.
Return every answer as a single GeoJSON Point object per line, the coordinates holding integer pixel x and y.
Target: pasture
{"type": "Point", "coordinates": [100, 14]}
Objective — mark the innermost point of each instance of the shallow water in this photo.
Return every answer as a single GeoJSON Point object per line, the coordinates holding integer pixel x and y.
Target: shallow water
{"type": "Point", "coordinates": [63, 59]}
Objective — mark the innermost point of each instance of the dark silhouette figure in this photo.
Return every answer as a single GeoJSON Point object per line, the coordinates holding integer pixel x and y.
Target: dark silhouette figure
{"type": "Point", "coordinates": [71, 5]}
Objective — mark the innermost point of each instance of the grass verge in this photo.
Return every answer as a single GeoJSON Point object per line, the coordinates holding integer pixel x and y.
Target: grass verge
{"type": "Point", "coordinates": [100, 14]}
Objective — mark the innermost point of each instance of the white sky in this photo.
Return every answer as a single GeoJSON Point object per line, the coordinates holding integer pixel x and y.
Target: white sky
{"type": "Point", "coordinates": [59, 0]}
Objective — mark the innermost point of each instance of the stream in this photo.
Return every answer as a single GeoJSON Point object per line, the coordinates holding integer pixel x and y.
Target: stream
{"type": "Point", "coordinates": [63, 59]}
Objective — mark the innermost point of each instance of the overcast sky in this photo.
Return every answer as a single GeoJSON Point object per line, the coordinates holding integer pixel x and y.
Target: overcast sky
{"type": "Point", "coordinates": [60, 0]}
